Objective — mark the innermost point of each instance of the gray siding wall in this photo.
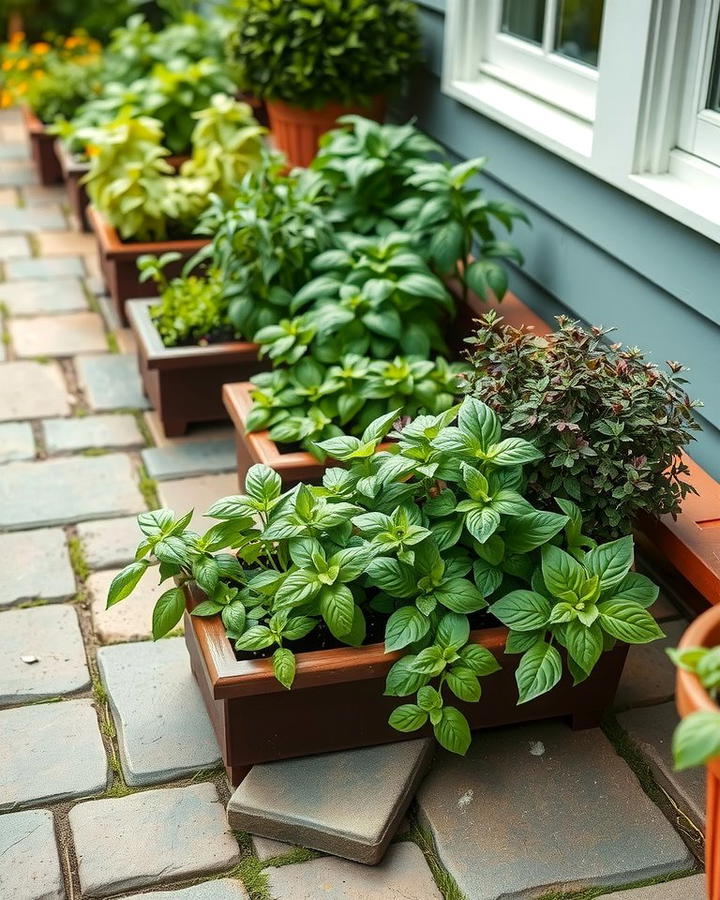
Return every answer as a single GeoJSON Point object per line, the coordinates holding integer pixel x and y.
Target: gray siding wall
{"type": "Point", "coordinates": [593, 251]}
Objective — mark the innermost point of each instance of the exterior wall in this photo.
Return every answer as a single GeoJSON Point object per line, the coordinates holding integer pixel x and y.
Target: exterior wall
{"type": "Point", "coordinates": [593, 251]}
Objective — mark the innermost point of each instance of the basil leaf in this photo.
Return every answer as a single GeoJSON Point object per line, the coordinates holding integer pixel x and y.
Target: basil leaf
{"type": "Point", "coordinates": [408, 717]}
{"type": "Point", "coordinates": [628, 622]}
{"type": "Point", "coordinates": [452, 731]}
{"type": "Point", "coordinates": [283, 663]}
{"type": "Point", "coordinates": [611, 562]}
{"type": "Point", "coordinates": [405, 626]}
{"type": "Point", "coordinates": [539, 671]}
{"type": "Point", "coordinates": [696, 739]}
{"type": "Point", "coordinates": [168, 611]}
{"type": "Point", "coordinates": [125, 582]}
{"type": "Point", "coordinates": [522, 610]}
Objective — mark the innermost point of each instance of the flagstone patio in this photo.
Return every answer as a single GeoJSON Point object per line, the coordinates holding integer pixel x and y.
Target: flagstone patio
{"type": "Point", "coordinates": [110, 782]}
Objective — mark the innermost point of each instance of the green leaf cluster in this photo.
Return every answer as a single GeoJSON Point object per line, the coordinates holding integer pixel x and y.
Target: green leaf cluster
{"type": "Point", "coordinates": [422, 536]}
{"type": "Point", "coordinates": [63, 85]}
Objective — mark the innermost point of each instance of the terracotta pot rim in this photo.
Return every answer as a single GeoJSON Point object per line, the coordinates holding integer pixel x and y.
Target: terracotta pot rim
{"type": "Point", "coordinates": [114, 247]}
{"type": "Point", "coordinates": [702, 632]}
{"type": "Point", "coordinates": [329, 105]}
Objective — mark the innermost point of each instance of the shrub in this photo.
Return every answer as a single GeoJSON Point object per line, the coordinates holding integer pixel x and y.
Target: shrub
{"type": "Point", "coordinates": [61, 87]}
{"type": "Point", "coordinates": [611, 426]}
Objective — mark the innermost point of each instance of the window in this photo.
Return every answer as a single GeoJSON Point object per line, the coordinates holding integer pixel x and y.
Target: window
{"type": "Point", "coordinates": [700, 127]}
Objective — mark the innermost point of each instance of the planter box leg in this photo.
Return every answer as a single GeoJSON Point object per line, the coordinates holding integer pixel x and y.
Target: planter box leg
{"type": "Point", "coordinates": [586, 718]}
{"type": "Point", "coordinates": [237, 774]}
{"type": "Point", "coordinates": [174, 427]}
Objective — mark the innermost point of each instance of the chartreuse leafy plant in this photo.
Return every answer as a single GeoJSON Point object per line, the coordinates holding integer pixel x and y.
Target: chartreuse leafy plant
{"type": "Point", "coordinates": [309, 52]}
{"type": "Point", "coordinates": [697, 737]}
{"type": "Point", "coordinates": [395, 537]}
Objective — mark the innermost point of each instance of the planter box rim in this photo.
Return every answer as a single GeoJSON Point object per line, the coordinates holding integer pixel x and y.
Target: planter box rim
{"type": "Point", "coordinates": [158, 356]}
{"type": "Point", "coordinates": [114, 248]}
{"type": "Point", "coordinates": [32, 122]}
{"type": "Point", "coordinates": [69, 163]}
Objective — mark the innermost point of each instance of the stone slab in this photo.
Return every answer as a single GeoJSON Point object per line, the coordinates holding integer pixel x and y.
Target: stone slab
{"type": "Point", "coordinates": [197, 494]}
{"type": "Point", "coordinates": [56, 267]}
{"type": "Point", "coordinates": [47, 218]}
{"type": "Point", "coordinates": [649, 675]}
{"type": "Point", "coordinates": [103, 431]}
{"type": "Point", "coordinates": [164, 732]}
{"type": "Point", "coordinates": [130, 620]}
{"type": "Point", "coordinates": [14, 246]}
{"type": "Point", "coordinates": [166, 835]}
{"type": "Point", "coordinates": [348, 804]}
{"type": "Point", "coordinates": [41, 297]}
{"type": "Point", "coordinates": [109, 543]}
{"type": "Point", "coordinates": [509, 821]}
{"type": "Point", "coordinates": [50, 635]}
{"type": "Point", "coordinates": [186, 460]}
{"type": "Point", "coordinates": [402, 875]}
{"type": "Point", "coordinates": [44, 194]}
{"type": "Point", "coordinates": [651, 728]}
{"type": "Point", "coordinates": [58, 491]}
{"type": "Point", "coordinates": [195, 433]}
{"type": "Point", "coordinates": [29, 390]}
{"type": "Point", "coordinates": [16, 441]}
{"type": "Point", "coordinates": [61, 243]}
{"type": "Point", "coordinates": [29, 861]}
{"type": "Point", "coordinates": [691, 888]}
{"type": "Point", "coordinates": [35, 565]}
{"type": "Point", "coordinates": [15, 172]}
{"type": "Point", "coordinates": [50, 752]}
{"type": "Point", "coordinates": [266, 848]}
{"type": "Point", "coordinates": [111, 382]}
{"type": "Point", "coordinates": [65, 335]}
{"type": "Point", "coordinates": [218, 889]}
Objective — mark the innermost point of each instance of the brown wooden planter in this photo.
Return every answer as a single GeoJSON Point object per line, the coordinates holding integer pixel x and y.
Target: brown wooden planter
{"type": "Point", "coordinates": [73, 170]}
{"type": "Point", "coordinates": [42, 146]}
{"type": "Point", "coordinates": [118, 261]}
{"type": "Point", "coordinates": [337, 701]}
{"type": "Point", "coordinates": [300, 465]}
{"type": "Point", "coordinates": [185, 384]}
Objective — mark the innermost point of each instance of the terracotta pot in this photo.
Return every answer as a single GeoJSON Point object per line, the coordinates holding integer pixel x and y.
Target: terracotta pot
{"type": "Point", "coordinates": [690, 697]}
{"type": "Point", "coordinates": [337, 701]}
{"type": "Point", "coordinates": [42, 146]}
{"type": "Point", "coordinates": [184, 384]}
{"type": "Point", "coordinates": [296, 131]}
{"type": "Point", "coordinates": [118, 261]}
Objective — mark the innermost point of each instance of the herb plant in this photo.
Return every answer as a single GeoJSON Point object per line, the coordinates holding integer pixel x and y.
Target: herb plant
{"type": "Point", "coordinates": [397, 536]}
{"type": "Point", "coordinates": [62, 86]}
{"type": "Point", "coordinates": [610, 425]}
{"type": "Point", "coordinates": [697, 737]}
{"type": "Point", "coordinates": [309, 52]}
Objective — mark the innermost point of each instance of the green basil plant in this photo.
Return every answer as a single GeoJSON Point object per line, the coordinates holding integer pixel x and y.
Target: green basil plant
{"type": "Point", "coordinates": [697, 738]}
{"type": "Point", "coordinates": [405, 536]}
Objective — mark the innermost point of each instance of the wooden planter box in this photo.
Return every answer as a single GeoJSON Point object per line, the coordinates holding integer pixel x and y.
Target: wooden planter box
{"type": "Point", "coordinates": [300, 465]}
{"type": "Point", "coordinates": [42, 146]}
{"type": "Point", "coordinates": [185, 384]}
{"type": "Point", "coordinates": [118, 261]}
{"type": "Point", "coordinates": [337, 701]}
{"type": "Point", "coordinates": [73, 170]}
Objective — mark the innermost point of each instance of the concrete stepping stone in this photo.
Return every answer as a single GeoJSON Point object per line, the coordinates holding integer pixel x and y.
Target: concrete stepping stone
{"type": "Point", "coordinates": [104, 431]}
{"type": "Point", "coordinates": [197, 494]}
{"type": "Point", "coordinates": [66, 335]}
{"type": "Point", "coordinates": [34, 565]}
{"type": "Point", "coordinates": [402, 875]}
{"type": "Point", "coordinates": [651, 728]}
{"type": "Point", "coordinates": [50, 752]}
{"type": "Point", "coordinates": [29, 861]}
{"type": "Point", "coordinates": [540, 806]}
{"type": "Point", "coordinates": [15, 172]}
{"type": "Point", "coordinates": [167, 835]}
{"type": "Point", "coordinates": [130, 620]}
{"type": "Point", "coordinates": [193, 458]}
{"type": "Point", "coordinates": [163, 730]}
{"type": "Point", "coordinates": [54, 267]}
{"type": "Point", "coordinates": [60, 243]}
{"type": "Point", "coordinates": [266, 848]}
{"type": "Point", "coordinates": [111, 382]}
{"type": "Point", "coordinates": [348, 804]}
{"type": "Point", "coordinates": [111, 542]}
{"type": "Point", "coordinates": [690, 888]}
{"type": "Point", "coordinates": [32, 219]}
{"type": "Point", "coordinates": [44, 195]}
{"type": "Point", "coordinates": [14, 246]}
{"type": "Point", "coordinates": [41, 654]}
{"type": "Point", "coordinates": [56, 491]}
{"type": "Point", "coordinates": [649, 675]}
{"type": "Point", "coordinates": [42, 297]}
{"type": "Point", "coordinates": [205, 431]}
{"type": "Point", "coordinates": [29, 390]}
{"type": "Point", "coordinates": [16, 442]}
{"type": "Point", "coordinates": [218, 889]}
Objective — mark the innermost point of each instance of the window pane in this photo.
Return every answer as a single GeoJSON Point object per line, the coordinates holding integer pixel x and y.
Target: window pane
{"type": "Point", "coordinates": [578, 30]}
{"type": "Point", "coordinates": [524, 19]}
{"type": "Point", "coordinates": [714, 95]}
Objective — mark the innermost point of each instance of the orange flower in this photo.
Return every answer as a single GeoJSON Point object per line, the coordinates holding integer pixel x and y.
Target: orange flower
{"type": "Point", "coordinates": [7, 65]}
{"type": "Point", "coordinates": [23, 64]}
{"type": "Point", "coordinates": [73, 42]}
{"type": "Point", "coordinates": [91, 150]}
{"type": "Point", "coordinates": [17, 38]}
{"type": "Point", "coordinates": [41, 47]}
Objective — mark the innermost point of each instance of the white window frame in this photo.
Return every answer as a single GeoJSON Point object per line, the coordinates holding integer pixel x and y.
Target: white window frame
{"type": "Point", "coordinates": [637, 139]}
{"type": "Point", "coordinates": [700, 126]}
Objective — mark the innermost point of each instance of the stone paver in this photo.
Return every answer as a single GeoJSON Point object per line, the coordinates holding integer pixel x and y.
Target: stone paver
{"type": "Point", "coordinates": [509, 821]}
{"type": "Point", "coordinates": [163, 731]}
{"type": "Point", "coordinates": [200, 432]}
{"type": "Point", "coordinates": [166, 835]}
{"type": "Point", "coordinates": [46, 218]}
{"type": "Point", "coordinates": [218, 889]}
{"type": "Point", "coordinates": [44, 195]}
{"type": "Point", "coordinates": [37, 297]}
{"type": "Point", "coordinates": [29, 390]}
{"type": "Point", "coordinates": [109, 543]}
{"type": "Point", "coordinates": [691, 888]}
{"type": "Point", "coordinates": [63, 435]}
{"type": "Point", "coordinates": [111, 382]}
{"type": "Point", "coordinates": [60, 243]}
{"type": "Point", "coordinates": [649, 675]}
{"type": "Point", "coordinates": [402, 875]}
{"type": "Point", "coordinates": [58, 335]}
{"type": "Point", "coordinates": [16, 442]}
{"type": "Point", "coordinates": [44, 268]}
{"type": "Point", "coordinates": [14, 172]}
{"type": "Point", "coordinates": [348, 804]}
{"type": "Point", "coordinates": [266, 848]}
{"type": "Point", "coordinates": [49, 635]}
{"type": "Point", "coordinates": [35, 565]}
{"type": "Point", "coordinates": [50, 752]}
{"type": "Point", "coordinates": [186, 460]}
{"type": "Point", "coordinates": [29, 862]}
{"type": "Point", "coordinates": [8, 196]}
{"type": "Point", "coordinates": [14, 246]}
{"type": "Point", "coordinates": [651, 728]}
{"type": "Point", "coordinates": [53, 492]}
{"type": "Point", "coordinates": [198, 494]}
{"type": "Point", "coordinates": [130, 620]}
